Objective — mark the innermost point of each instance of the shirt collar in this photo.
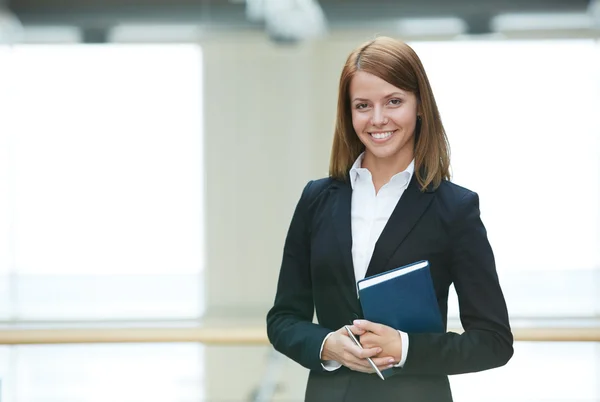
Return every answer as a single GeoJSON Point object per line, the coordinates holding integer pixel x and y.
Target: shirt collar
{"type": "Point", "coordinates": [357, 169]}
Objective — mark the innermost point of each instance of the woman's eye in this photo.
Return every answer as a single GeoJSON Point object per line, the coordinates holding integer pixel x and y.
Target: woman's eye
{"type": "Point", "coordinates": [361, 105]}
{"type": "Point", "coordinates": [395, 101]}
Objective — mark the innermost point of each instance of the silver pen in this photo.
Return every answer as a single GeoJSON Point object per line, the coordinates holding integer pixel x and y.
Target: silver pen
{"type": "Point", "coordinates": [351, 335]}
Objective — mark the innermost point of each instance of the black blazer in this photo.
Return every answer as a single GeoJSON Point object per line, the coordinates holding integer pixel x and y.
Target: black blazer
{"type": "Point", "coordinates": [442, 226]}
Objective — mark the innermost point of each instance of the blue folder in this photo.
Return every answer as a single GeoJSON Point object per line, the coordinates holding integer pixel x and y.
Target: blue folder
{"type": "Point", "coordinates": [403, 298]}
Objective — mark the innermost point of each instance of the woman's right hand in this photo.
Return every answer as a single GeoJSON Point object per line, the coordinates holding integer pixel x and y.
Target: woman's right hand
{"type": "Point", "coordinates": [340, 348]}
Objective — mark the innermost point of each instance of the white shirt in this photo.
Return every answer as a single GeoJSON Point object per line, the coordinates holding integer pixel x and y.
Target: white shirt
{"type": "Point", "coordinates": [370, 213]}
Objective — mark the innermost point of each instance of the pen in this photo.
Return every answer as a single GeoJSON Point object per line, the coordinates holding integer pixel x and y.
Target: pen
{"type": "Point", "coordinates": [351, 335]}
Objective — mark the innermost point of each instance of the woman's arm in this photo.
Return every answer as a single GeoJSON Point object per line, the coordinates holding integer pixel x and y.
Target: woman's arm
{"type": "Point", "coordinates": [289, 322]}
{"type": "Point", "coordinates": [487, 339]}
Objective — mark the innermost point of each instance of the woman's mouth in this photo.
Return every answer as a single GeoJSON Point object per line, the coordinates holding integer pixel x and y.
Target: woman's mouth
{"type": "Point", "coordinates": [381, 136]}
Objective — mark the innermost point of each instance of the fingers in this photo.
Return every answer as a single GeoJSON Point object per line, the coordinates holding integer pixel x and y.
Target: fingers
{"type": "Point", "coordinates": [361, 365]}
{"type": "Point", "coordinates": [355, 330]}
{"type": "Point", "coordinates": [355, 357]}
{"type": "Point", "coordinates": [384, 362]}
{"type": "Point", "coordinates": [362, 354]}
{"type": "Point", "coordinates": [342, 331]}
{"type": "Point", "coordinates": [369, 326]}
{"type": "Point", "coordinates": [367, 352]}
{"type": "Point", "coordinates": [369, 340]}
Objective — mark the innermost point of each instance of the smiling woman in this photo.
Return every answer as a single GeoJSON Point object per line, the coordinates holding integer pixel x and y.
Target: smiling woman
{"type": "Point", "coordinates": [384, 119]}
{"type": "Point", "coordinates": [387, 203]}
{"type": "Point", "coordinates": [392, 105]}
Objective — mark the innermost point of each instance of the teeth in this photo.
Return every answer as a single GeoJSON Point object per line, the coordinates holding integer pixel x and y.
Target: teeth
{"type": "Point", "coordinates": [381, 136]}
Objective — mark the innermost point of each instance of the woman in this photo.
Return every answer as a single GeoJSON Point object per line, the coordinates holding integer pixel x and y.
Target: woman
{"type": "Point", "coordinates": [387, 202]}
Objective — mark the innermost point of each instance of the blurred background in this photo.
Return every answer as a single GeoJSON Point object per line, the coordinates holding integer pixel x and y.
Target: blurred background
{"type": "Point", "coordinates": [152, 153]}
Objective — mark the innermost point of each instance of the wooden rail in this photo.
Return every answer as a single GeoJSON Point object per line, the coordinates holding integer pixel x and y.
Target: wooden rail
{"type": "Point", "coordinates": [250, 336]}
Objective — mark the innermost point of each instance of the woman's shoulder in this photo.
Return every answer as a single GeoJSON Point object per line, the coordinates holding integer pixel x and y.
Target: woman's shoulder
{"type": "Point", "coordinates": [315, 188]}
{"type": "Point", "coordinates": [454, 193]}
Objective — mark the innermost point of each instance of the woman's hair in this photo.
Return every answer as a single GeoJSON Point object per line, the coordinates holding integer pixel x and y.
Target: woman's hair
{"type": "Point", "coordinates": [398, 64]}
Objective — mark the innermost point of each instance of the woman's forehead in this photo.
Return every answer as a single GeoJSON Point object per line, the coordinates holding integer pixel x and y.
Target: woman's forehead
{"type": "Point", "coordinates": [364, 84]}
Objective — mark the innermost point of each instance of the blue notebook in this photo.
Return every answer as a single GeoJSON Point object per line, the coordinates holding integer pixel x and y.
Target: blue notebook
{"type": "Point", "coordinates": [403, 298]}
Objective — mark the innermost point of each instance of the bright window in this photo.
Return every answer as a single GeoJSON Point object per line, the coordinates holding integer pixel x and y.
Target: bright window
{"type": "Point", "coordinates": [523, 123]}
{"type": "Point", "coordinates": [522, 120]}
{"type": "Point", "coordinates": [102, 216]}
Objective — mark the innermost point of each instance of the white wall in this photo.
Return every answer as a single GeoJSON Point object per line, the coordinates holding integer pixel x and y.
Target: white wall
{"type": "Point", "coordinates": [269, 118]}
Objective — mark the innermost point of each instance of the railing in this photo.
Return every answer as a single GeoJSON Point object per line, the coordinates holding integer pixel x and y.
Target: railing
{"type": "Point", "coordinates": [248, 336]}
{"type": "Point", "coordinates": [232, 336]}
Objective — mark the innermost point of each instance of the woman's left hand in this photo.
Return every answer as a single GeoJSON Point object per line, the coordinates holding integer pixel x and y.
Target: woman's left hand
{"type": "Point", "coordinates": [378, 335]}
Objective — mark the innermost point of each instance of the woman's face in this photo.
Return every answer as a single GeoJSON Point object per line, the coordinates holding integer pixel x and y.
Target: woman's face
{"type": "Point", "coordinates": [384, 117]}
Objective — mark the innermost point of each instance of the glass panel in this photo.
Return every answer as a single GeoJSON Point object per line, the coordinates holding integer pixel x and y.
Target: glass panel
{"type": "Point", "coordinates": [118, 372]}
{"type": "Point", "coordinates": [6, 374]}
{"type": "Point", "coordinates": [110, 297]}
{"type": "Point", "coordinates": [107, 205]}
{"type": "Point", "coordinates": [543, 371]}
{"type": "Point", "coordinates": [6, 180]}
{"type": "Point", "coordinates": [548, 372]}
{"type": "Point", "coordinates": [538, 372]}
{"type": "Point", "coordinates": [551, 294]}
{"type": "Point", "coordinates": [529, 145]}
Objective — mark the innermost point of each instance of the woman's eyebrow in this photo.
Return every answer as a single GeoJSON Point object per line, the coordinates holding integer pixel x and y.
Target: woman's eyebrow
{"type": "Point", "coordinates": [385, 97]}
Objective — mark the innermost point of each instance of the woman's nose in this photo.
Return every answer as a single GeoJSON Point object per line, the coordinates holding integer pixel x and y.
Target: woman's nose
{"type": "Point", "coordinates": [378, 118]}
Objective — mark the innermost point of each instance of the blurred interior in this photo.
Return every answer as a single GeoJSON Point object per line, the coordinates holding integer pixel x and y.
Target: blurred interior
{"type": "Point", "coordinates": [152, 154]}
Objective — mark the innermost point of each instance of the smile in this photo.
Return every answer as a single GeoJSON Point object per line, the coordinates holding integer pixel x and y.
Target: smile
{"type": "Point", "coordinates": [382, 136]}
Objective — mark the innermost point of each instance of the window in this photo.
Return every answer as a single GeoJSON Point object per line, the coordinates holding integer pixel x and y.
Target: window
{"type": "Point", "coordinates": [522, 120]}
{"type": "Point", "coordinates": [101, 212]}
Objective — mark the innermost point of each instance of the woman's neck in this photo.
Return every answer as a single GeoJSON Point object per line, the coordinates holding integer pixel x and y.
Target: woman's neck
{"type": "Point", "coordinates": [383, 169]}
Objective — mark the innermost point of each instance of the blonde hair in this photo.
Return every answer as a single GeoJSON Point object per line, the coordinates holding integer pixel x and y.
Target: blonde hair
{"type": "Point", "coordinates": [397, 63]}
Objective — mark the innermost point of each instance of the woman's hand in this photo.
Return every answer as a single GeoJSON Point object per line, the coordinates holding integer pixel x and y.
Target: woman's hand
{"type": "Point", "coordinates": [373, 335]}
{"type": "Point", "coordinates": [340, 348]}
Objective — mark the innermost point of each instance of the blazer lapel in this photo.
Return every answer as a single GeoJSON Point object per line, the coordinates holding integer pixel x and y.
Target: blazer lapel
{"type": "Point", "coordinates": [406, 214]}
{"type": "Point", "coordinates": [341, 215]}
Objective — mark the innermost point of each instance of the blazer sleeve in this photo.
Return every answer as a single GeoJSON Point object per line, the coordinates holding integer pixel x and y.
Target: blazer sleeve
{"type": "Point", "coordinates": [289, 322]}
{"type": "Point", "coordinates": [487, 339]}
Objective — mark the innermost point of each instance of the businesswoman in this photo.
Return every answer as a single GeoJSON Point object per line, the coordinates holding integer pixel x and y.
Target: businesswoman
{"type": "Point", "coordinates": [387, 202]}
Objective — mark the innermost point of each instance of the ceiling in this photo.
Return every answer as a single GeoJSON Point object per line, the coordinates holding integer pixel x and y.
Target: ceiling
{"type": "Point", "coordinates": [100, 15]}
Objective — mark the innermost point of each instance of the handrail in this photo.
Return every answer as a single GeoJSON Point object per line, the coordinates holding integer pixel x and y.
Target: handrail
{"type": "Point", "coordinates": [250, 336]}
{"type": "Point", "coordinates": [209, 336]}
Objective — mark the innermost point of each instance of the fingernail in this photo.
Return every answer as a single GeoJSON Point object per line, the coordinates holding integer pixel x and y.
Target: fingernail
{"type": "Point", "coordinates": [378, 350]}
{"type": "Point", "coordinates": [391, 361]}
{"type": "Point", "coordinates": [357, 322]}
{"type": "Point", "coordinates": [390, 366]}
